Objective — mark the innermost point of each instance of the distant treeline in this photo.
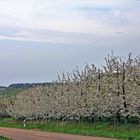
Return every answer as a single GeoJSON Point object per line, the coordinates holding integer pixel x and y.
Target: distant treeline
{"type": "Point", "coordinates": [28, 85]}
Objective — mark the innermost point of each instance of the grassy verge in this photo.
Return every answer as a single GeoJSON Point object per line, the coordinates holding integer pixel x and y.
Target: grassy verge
{"type": "Point", "coordinates": [100, 129]}
{"type": "Point", "coordinates": [3, 138]}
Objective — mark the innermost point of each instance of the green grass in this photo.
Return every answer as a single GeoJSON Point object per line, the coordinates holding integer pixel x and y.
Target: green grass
{"type": "Point", "coordinates": [3, 138]}
{"type": "Point", "coordinates": [100, 129]}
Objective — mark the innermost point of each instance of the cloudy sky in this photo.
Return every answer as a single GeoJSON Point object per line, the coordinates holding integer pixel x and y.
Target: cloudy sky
{"type": "Point", "coordinates": [41, 38]}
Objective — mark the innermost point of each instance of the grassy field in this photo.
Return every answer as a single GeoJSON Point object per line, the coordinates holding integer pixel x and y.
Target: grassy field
{"type": "Point", "coordinates": [100, 129]}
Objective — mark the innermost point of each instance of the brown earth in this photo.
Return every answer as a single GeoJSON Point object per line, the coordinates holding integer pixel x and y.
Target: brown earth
{"type": "Point", "coordinates": [20, 134]}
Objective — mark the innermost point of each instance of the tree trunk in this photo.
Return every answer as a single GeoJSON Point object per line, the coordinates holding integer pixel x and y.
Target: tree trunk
{"type": "Point", "coordinates": [124, 94]}
{"type": "Point", "coordinates": [118, 117]}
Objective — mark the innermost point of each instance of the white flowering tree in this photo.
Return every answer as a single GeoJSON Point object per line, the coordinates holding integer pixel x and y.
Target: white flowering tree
{"type": "Point", "coordinates": [90, 93]}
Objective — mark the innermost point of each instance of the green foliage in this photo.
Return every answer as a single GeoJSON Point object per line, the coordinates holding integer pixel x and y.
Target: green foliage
{"type": "Point", "coordinates": [10, 92]}
{"type": "Point", "coordinates": [3, 138]}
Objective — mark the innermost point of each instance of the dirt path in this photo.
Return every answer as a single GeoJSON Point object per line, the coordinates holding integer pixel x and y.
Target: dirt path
{"type": "Point", "coordinates": [20, 134]}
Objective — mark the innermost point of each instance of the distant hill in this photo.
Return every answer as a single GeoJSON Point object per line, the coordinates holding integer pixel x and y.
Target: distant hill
{"type": "Point", "coordinates": [27, 85]}
{"type": "Point", "coordinates": [13, 89]}
{"type": "Point", "coordinates": [2, 88]}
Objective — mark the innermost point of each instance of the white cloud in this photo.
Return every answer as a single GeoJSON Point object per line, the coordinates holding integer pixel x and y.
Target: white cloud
{"type": "Point", "coordinates": [117, 13]}
{"type": "Point", "coordinates": [69, 16]}
{"type": "Point", "coordinates": [50, 36]}
{"type": "Point", "coordinates": [17, 9]}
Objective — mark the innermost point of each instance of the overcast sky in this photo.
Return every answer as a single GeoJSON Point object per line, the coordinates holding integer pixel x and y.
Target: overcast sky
{"type": "Point", "coordinates": [41, 38]}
